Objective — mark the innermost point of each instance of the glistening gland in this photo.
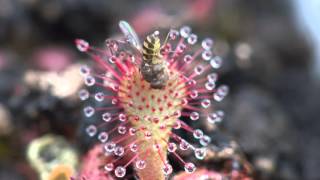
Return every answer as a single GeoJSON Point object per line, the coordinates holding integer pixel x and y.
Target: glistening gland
{"type": "Point", "coordinates": [143, 120]}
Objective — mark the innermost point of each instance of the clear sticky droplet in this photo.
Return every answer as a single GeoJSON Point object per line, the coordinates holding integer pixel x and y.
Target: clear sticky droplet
{"type": "Point", "coordinates": [140, 164]}
{"type": "Point", "coordinates": [198, 133]}
{"type": "Point", "coordinates": [205, 140]}
{"type": "Point", "coordinates": [210, 86]}
{"type": "Point", "coordinates": [184, 145]}
{"type": "Point", "coordinates": [91, 130]}
{"type": "Point", "coordinates": [99, 96]}
{"type": "Point", "coordinates": [167, 169]}
{"type": "Point", "coordinates": [134, 147]}
{"type": "Point", "coordinates": [189, 167]}
{"type": "Point", "coordinates": [122, 117]}
{"type": "Point", "coordinates": [194, 116]}
{"type": "Point", "coordinates": [109, 147]}
{"type": "Point", "coordinates": [132, 131]}
{"type": "Point", "coordinates": [84, 70]}
{"type": "Point", "coordinates": [88, 111]}
{"type": "Point", "coordinates": [206, 55]}
{"type": "Point", "coordinates": [213, 77]}
{"type": "Point", "coordinates": [106, 117]}
{"type": "Point", "coordinates": [83, 94]}
{"type": "Point", "coordinates": [173, 34]}
{"type": "Point", "coordinates": [122, 130]}
{"type": "Point", "coordinates": [103, 137]}
{"type": "Point", "coordinates": [118, 151]}
{"type": "Point", "coordinates": [120, 171]}
{"type": "Point", "coordinates": [185, 31]}
{"type": "Point", "coordinates": [216, 62]}
{"type": "Point", "coordinates": [194, 94]}
{"type": "Point", "coordinates": [221, 93]}
{"type": "Point", "coordinates": [192, 39]}
{"type": "Point", "coordinates": [198, 69]}
{"type": "Point", "coordinates": [82, 45]}
{"type": "Point", "coordinates": [187, 58]}
{"type": "Point", "coordinates": [89, 81]}
{"type": "Point", "coordinates": [109, 167]}
{"type": "Point", "coordinates": [200, 153]}
{"type": "Point", "coordinates": [172, 147]}
{"type": "Point", "coordinates": [205, 103]}
{"type": "Point", "coordinates": [207, 43]}
{"type": "Point", "coordinates": [216, 117]}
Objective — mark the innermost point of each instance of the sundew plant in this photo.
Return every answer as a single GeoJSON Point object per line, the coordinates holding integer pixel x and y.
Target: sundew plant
{"type": "Point", "coordinates": [150, 92]}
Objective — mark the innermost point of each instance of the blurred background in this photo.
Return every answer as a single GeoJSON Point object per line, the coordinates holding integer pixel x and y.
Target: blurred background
{"type": "Point", "coordinates": [271, 62]}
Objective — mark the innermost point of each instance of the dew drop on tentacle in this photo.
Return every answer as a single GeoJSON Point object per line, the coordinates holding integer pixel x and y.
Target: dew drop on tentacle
{"type": "Point", "coordinates": [99, 96]}
{"type": "Point", "coordinates": [118, 151]}
{"type": "Point", "coordinates": [198, 133]}
{"type": "Point", "coordinates": [173, 34]}
{"type": "Point", "coordinates": [172, 147]}
{"type": "Point", "coordinates": [84, 70]}
{"type": "Point", "coordinates": [89, 81]}
{"type": "Point", "coordinates": [106, 117]}
{"type": "Point", "coordinates": [194, 116]}
{"type": "Point", "coordinates": [213, 77]}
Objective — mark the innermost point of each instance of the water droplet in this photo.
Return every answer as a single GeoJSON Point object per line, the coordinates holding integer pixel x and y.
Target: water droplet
{"type": "Point", "coordinates": [213, 77]}
{"type": "Point", "coordinates": [198, 133]}
{"type": "Point", "coordinates": [173, 34]}
{"type": "Point", "coordinates": [200, 153]}
{"type": "Point", "coordinates": [89, 81]}
{"type": "Point", "coordinates": [185, 31]}
{"type": "Point", "coordinates": [112, 59]}
{"type": "Point", "coordinates": [221, 93]}
{"type": "Point", "coordinates": [198, 69]}
{"type": "Point", "coordinates": [122, 130]}
{"type": "Point", "coordinates": [207, 43]}
{"type": "Point", "coordinates": [141, 164]}
{"type": "Point", "coordinates": [118, 151]}
{"type": "Point", "coordinates": [99, 96]}
{"type": "Point", "coordinates": [106, 117]}
{"type": "Point", "coordinates": [189, 167]}
{"type": "Point", "coordinates": [84, 70]}
{"type": "Point", "coordinates": [103, 137]}
{"type": "Point", "coordinates": [82, 45]}
{"type": "Point", "coordinates": [120, 171]}
{"type": "Point", "coordinates": [206, 55]}
{"type": "Point", "coordinates": [172, 147]}
{"type": "Point", "coordinates": [184, 145]}
{"type": "Point", "coordinates": [114, 101]}
{"type": "Point", "coordinates": [205, 140]}
{"type": "Point", "coordinates": [167, 169]}
{"type": "Point", "coordinates": [109, 167]}
{"type": "Point", "coordinates": [216, 62]}
{"type": "Point", "coordinates": [194, 116]}
{"type": "Point", "coordinates": [83, 94]}
{"type": "Point", "coordinates": [88, 111]}
{"type": "Point", "coordinates": [109, 147]}
{"type": "Point", "coordinates": [192, 39]}
{"type": "Point", "coordinates": [91, 130]}
{"type": "Point", "coordinates": [205, 103]}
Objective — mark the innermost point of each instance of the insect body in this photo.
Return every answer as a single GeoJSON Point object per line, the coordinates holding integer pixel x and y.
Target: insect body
{"type": "Point", "coordinates": [153, 67]}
